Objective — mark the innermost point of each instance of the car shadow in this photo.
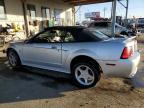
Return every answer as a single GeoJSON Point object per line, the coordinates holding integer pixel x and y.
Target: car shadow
{"type": "Point", "coordinates": [25, 85]}
{"type": "Point", "coordinates": [138, 79]}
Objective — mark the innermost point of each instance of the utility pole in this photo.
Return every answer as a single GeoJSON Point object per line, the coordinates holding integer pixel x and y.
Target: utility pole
{"type": "Point", "coordinates": [127, 9]}
{"type": "Point", "coordinates": [80, 15]}
{"type": "Point", "coordinates": [114, 3]}
{"type": "Point", "coordinates": [104, 11]}
{"type": "Point", "coordinates": [126, 17]}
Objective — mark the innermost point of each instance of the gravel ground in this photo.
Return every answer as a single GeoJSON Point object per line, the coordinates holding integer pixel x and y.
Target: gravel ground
{"type": "Point", "coordinates": [25, 89]}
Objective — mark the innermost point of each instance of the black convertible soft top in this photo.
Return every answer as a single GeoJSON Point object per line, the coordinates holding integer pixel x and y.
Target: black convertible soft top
{"type": "Point", "coordinates": [66, 27]}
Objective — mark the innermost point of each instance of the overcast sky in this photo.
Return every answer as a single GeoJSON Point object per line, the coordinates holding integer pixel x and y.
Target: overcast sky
{"type": "Point", "coordinates": [136, 8]}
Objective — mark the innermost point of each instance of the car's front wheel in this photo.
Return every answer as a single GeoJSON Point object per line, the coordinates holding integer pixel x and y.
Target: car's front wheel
{"type": "Point", "coordinates": [14, 59]}
{"type": "Point", "coordinates": [85, 75]}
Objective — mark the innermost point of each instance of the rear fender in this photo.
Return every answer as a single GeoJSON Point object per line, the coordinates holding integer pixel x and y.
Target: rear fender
{"type": "Point", "coordinates": [82, 52]}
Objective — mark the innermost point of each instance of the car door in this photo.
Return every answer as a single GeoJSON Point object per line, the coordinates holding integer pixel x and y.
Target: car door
{"type": "Point", "coordinates": [43, 51]}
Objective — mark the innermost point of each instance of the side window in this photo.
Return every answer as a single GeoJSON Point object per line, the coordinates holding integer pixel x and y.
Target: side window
{"type": "Point", "coordinates": [42, 38]}
{"type": "Point", "coordinates": [50, 36]}
{"type": "Point", "coordinates": [68, 37]}
{"type": "Point", "coordinates": [2, 10]}
{"type": "Point", "coordinates": [45, 13]}
{"type": "Point", "coordinates": [31, 9]}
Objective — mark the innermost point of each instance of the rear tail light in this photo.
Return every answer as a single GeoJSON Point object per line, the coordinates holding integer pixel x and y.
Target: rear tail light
{"type": "Point", "coordinates": [127, 52]}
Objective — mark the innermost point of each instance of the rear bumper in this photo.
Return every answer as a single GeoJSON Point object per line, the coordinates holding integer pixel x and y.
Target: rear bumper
{"type": "Point", "coordinates": [123, 68]}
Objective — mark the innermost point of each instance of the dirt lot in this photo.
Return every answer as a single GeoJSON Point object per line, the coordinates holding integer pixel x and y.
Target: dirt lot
{"type": "Point", "coordinates": [24, 89]}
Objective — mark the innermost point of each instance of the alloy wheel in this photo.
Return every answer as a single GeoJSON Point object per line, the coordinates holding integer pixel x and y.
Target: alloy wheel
{"type": "Point", "coordinates": [84, 75]}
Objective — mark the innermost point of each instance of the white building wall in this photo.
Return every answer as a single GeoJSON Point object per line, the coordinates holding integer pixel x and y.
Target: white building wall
{"type": "Point", "coordinates": [52, 4]}
{"type": "Point", "coordinates": [14, 11]}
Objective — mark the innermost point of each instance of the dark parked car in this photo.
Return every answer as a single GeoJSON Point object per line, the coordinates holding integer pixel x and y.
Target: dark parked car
{"type": "Point", "coordinates": [141, 22]}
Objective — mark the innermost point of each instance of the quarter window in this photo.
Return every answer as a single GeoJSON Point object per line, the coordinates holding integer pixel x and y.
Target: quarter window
{"type": "Point", "coordinates": [68, 37]}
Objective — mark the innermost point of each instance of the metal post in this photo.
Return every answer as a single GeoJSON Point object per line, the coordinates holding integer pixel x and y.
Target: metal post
{"type": "Point", "coordinates": [105, 12]}
{"type": "Point", "coordinates": [113, 18]}
{"type": "Point", "coordinates": [25, 17]}
{"type": "Point", "coordinates": [126, 22]}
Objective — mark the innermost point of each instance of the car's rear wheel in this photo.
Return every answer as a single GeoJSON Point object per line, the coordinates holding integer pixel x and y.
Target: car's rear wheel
{"type": "Point", "coordinates": [85, 75]}
{"type": "Point", "coordinates": [14, 59]}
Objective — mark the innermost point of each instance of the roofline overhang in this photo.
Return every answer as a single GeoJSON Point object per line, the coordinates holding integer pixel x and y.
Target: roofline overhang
{"type": "Point", "coordinates": [86, 2]}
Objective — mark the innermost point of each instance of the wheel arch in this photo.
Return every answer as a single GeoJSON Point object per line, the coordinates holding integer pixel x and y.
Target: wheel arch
{"type": "Point", "coordinates": [84, 58]}
{"type": "Point", "coordinates": [9, 49]}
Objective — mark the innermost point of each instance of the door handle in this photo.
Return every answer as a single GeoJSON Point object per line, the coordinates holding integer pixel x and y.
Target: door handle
{"type": "Point", "coordinates": [53, 47]}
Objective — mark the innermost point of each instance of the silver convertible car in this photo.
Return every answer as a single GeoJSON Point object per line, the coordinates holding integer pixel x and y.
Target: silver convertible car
{"type": "Point", "coordinates": [82, 53]}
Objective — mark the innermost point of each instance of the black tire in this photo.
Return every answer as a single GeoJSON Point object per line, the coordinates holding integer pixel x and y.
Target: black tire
{"type": "Point", "coordinates": [94, 70]}
{"type": "Point", "coordinates": [17, 64]}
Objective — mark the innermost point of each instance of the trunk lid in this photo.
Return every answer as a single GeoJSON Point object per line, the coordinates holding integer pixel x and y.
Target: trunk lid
{"type": "Point", "coordinates": [128, 42]}
{"type": "Point", "coordinates": [120, 44]}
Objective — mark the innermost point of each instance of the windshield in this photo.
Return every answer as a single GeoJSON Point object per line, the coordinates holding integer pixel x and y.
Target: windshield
{"type": "Point", "coordinates": [99, 34]}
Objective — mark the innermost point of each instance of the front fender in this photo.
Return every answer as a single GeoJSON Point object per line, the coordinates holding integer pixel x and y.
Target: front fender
{"type": "Point", "coordinates": [16, 48]}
